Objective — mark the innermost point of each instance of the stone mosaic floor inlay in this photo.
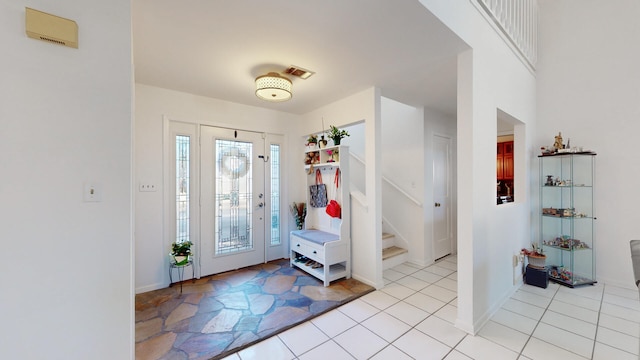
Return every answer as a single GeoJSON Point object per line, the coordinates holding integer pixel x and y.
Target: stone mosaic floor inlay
{"type": "Point", "coordinates": [221, 314]}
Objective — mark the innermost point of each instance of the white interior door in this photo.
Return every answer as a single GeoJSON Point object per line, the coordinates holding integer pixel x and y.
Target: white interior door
{"type": "Point", "coordinates": [232, 199]}
{"type": "Point", "coordinates": [442, 238]}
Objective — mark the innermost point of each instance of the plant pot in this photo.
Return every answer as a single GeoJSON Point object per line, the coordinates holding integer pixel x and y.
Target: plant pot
{"type": "Point", "coordinates": [336, 141]}
{"type": "Point", "coordinates": [312, 146]}
{"type": "Point", "coordinates": [322, 143]}
{"type": "Point", "coordinates": [180, 260]}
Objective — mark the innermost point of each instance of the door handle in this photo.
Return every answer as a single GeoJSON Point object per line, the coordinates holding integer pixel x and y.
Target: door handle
{"type": "Point", "coordinates": [437, 204]}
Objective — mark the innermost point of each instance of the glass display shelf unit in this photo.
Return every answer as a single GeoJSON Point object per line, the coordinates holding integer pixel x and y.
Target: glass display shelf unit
{"type": "Point", "coordinates": [567, 217]}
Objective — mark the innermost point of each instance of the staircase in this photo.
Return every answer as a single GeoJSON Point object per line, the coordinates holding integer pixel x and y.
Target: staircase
{"type": "Point", "coordinates": [392, 255]}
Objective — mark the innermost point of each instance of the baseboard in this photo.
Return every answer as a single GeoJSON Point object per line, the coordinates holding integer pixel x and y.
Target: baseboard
{"type": "Point", "coordinates": [364, 280]}
{"type": "Point", "coordinates": [151, 287]}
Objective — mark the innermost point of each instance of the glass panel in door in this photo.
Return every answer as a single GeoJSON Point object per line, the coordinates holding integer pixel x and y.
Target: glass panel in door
{"type": "Point", "coordinates": [232, 199]}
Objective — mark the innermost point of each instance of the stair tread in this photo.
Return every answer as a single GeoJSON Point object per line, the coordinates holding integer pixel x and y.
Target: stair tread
{"type": "Point", "coordinates": [387, 235]}
{"type": "Point", "coordinates": [392, 251]}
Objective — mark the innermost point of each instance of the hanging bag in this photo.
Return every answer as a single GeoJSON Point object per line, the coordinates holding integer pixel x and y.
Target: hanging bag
{"type": "Point", "coordinates": [333, 208]}
{"type": "Point", "coordinates": [318, 192]}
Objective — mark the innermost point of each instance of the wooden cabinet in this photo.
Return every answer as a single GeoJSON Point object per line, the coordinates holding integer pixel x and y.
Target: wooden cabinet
{"type": "Point", "coordinates": [504, 160]}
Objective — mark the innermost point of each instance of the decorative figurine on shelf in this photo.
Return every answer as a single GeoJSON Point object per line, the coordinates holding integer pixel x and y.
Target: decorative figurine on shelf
{"type": "Point", "coordinates": [558, 143]}
{"type": "Point", "coordinates": [312, 142]}
{"type": "Point", "coordinates": [549, 180]}
{"type": "Point", "coordinates": [322, 143]}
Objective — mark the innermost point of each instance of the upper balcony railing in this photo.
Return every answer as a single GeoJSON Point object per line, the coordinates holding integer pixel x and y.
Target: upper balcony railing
{"type": "Point", "coordinates": [518, 20]}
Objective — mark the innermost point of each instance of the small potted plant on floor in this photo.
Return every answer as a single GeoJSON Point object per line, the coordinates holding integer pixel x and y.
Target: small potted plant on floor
{"type": "Point", "coordinates": [535, 256]}
{"type": "Point", "coordinates": [336, 134]}
{"type": "Point", "coordinates": [181, 252]}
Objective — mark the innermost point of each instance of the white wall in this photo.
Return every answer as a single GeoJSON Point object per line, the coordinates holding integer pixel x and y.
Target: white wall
{"type": "Point", "coordinates": [152, 103]}
{"type": "Point", "coordinates": [402, 166]}
{"type": "Point", "coordinates": [588, 88]}
{"type": "Point", "coordinates": [490, 76]}
{"type": "Point", "coordinates": [65, 120]}
{"type": "Point", "coordinates": [366, 252]}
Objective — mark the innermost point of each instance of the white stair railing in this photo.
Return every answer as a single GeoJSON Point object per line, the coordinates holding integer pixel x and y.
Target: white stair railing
{"type": "Point", "coordinates": [518, 20]}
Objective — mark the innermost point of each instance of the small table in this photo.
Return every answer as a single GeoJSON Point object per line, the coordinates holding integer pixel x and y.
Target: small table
{"type": "Point", "coordinates": [180, 268]}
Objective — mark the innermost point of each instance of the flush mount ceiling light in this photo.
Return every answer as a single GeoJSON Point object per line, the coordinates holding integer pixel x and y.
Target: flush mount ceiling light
{"type": "Point", "coordinates": [273, 87]}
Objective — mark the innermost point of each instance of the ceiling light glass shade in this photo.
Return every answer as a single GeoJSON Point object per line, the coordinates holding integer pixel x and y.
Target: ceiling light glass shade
{"type": "Point", "coordinates": [273, 87]}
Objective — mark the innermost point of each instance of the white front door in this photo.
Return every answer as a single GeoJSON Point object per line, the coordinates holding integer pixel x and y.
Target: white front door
{"type": "Point", "coordinates": [442, 239]}
{"type": "Point", "coordinates": [232, 199]}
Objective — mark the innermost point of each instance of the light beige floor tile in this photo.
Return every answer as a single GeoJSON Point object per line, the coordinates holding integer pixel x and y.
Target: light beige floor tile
{"type": "Point", "coordinates": [327, 350]}
{"type": "Point", "coordinates": [441, 330]}
{"type": "Point", "coordinates": [421, 346]}
{"type": "Point", "coordinates": [453, 276]}
{"type": "Point", "coordinates": [333, 322]}
{"type": "Point", "coordinates": [273, 349]}
{"type": "Point", "coordinates": [439, 270]}
{"type": "Point", "coordinates": [391, 353]}
{"type": "Point", "coordinates": [448, 313]}
{"type": "Point", "coordinates": [302, 338]}
{"type": "Point", "coordinates": [505, 336]}
{"type": "Point", "coordinates": [593, 292]}
{"type": "Point", "coordinates": [398, 290]}
{"type": "Point", "coordinates": [577, 300]}
{"type": "Point", "coordinates": [622, 301]}
{"type": "Point", "coordinates": [515, 321]}
{"type": "Point", "coordinates": [549, 292]}
{"type": "Point", "coordinates": [386, 326]}
{"type": "Point", "coordinates": [448, 284]}
{"type": "Point", "coordinates": [360, 342]}
{"type": "Point", "coordinates": [456, 355]}
{"type": "Point", "coordinates": [570, 324]}
{"type": "Point", "coordinates": [533, 299]}
{"type": "Point", "coordinates": [606, 352]}
{"type": "Point", "coordinates": [407, 313]}
{"type": "Point", "coordinates": [522, 308]}
{"type": "Point", "coordinates": [440, 293]}
{"type": "Point", "coordinates": [392, 275]}
{"type": "Point", "coordinates": [621, 312]}
{"type": "Point", "coordinates": [628, 293]}
{"type": "Point", "coordinates": [537, 349]}
{"type": "Point", "coordinates": [379, 299]}
{"type": "Point", "coordinates": [427, 276]}
{"type": "Point", "coordinates": [479, 348]}
{"type": "Point", "coordinates": [618, 340]}
{"type": "Point", "coordinates": [577, 312]}
{"type": "Point", "coordinates": [413, 283]}
{"type": "Point", "coordinates": [448, 265]}
{"type": "Point", "coordinates": [569, 341]}
{"type": "Point", "coordinates": [405, 269]}
{"type": "Point", "coordinates": [358, 310]}
{"type": "Point", "coordinates": [425, 302]}
{"type": "Point", "coordinates": [620, 325]}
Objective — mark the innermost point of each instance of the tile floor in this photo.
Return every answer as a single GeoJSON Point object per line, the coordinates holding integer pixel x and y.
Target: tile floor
{"type": "Point", "coordinates": [412, 318]}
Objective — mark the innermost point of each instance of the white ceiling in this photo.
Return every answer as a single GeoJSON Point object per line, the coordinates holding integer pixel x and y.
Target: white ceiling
{"type": "Point", "coordinates": [216, 48]}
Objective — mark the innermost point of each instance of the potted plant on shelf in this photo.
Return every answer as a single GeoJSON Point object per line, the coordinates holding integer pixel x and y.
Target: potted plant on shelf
{"type": "Point", "coordinates": [312, 142]}
{"type": "Point", "coordinates": [336, 134]}
{"type": "Point", "coordinates": [181, 252]}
